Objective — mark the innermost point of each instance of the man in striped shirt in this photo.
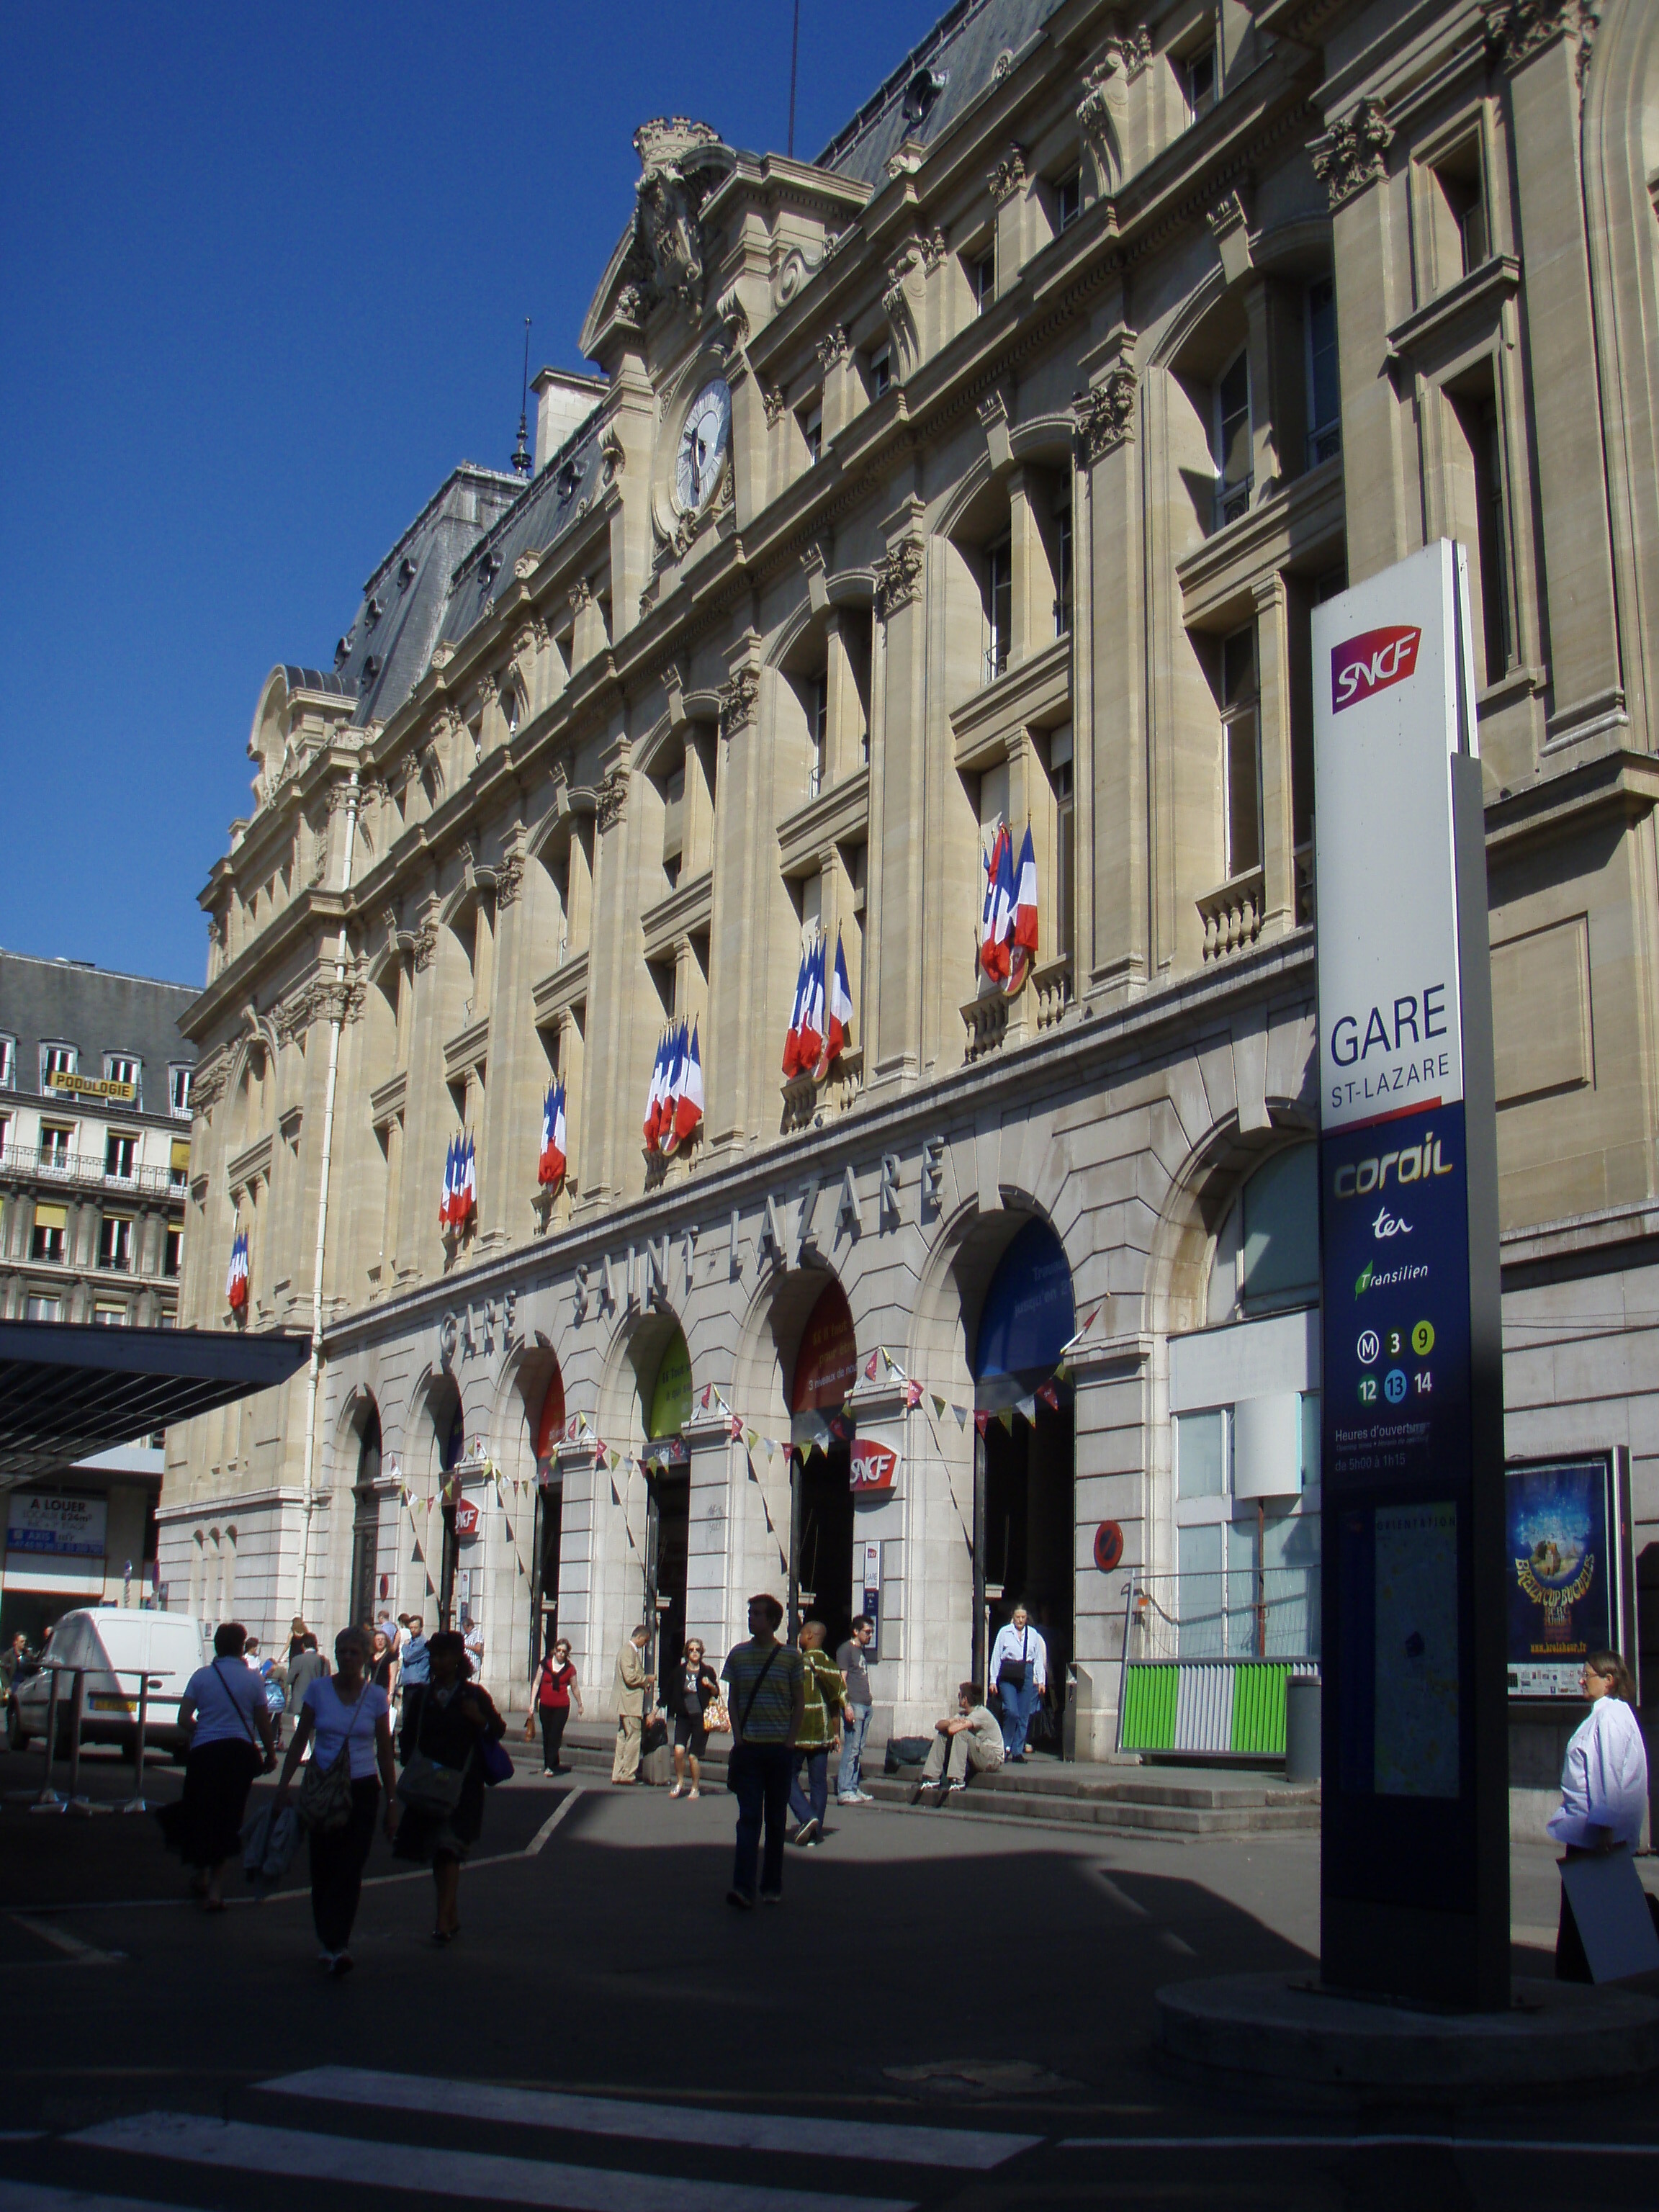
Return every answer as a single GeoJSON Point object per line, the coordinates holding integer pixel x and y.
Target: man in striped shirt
{"type": "Point", "coordinates": [765, 1696]}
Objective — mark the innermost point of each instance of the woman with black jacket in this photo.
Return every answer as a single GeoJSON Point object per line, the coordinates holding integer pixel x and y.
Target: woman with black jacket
{"type": "Point", "coordinates": [695, 1687]}
{"type": "Point", "coordinates": [446, 1722]}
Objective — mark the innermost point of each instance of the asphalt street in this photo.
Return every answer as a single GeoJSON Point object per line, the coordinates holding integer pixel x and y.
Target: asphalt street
{"type": "Point", "coordinates": [945, 2011]}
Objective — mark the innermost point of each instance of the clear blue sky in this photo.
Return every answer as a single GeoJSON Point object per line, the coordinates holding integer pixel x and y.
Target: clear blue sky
{"type": "Point", "coordinates": [264, 273]}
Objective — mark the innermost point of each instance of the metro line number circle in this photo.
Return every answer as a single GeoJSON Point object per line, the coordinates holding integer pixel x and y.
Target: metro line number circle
{"type": "Point", "coordinates": [1394, 1385]}
{"type": "Point", "coordinates": [1423, 1339]}
{"type": "Point", "coordinates": [1368, 1347]}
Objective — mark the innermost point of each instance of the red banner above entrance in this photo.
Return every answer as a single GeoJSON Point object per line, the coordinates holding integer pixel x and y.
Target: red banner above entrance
{"type": "Point", "coordinates": [826, 1366]}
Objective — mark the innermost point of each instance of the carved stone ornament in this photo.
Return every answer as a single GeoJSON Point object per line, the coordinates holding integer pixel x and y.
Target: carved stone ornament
{"type": "Point", "coordinates": [426, 943]}
{"type": "Point", "coordinates": [526, 566]}
{"type": "Point", "coordinates": [832, 348]}
{"type": "Point", "coordinates": [774, 403]}
{"type": "Point", "coordinates": [581, 595]}
{"type": "Point", "coordinates": [613, 455]}
{"type": "Point", "coordinates": [681, 161]}
{"type": "Point", "coordinates": [509, 877]}
{"type": "Point", "coordinates": [612, 803]}
{"type": "Point", "coordinates": [1227, 214]}
{"type": "Point", "coordinates": [739, 700]}
{"type": "Point", "coordinates": [1107, 415]}
{"type": "Point", "coordinates": [898, 577]}
{"type": "Point", "coordinates": [489, 689]}
{"type": "Point", "coordinates": [216, 929]}
{"type": "Point", "coordinates": [1009, 176]}
{"type": "Point", "coordinates": [734, 321]}
{"type": "Point", "coordinates": [933, 249]}
{"type": "Point", "coordinates": [442, 655]}
{"type": "Point", "coordinates": [1350, 156]}
{"type": "Point", "coordinates": [1102, 114]}
{"type": "Point", "coordinates": [207, 1085]}
{"type": "Point", "coordinates": [340, 797]}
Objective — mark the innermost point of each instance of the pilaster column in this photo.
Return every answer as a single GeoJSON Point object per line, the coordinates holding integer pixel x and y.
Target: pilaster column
{"type": "Point", "coordinates": [1273, 724]}
{"type": "Point", "coordinates": [901, 607]}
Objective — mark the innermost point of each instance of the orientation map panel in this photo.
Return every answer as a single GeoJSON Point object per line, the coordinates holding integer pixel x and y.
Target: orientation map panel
{"type": "Point", "coordinates": [1407, 1196]}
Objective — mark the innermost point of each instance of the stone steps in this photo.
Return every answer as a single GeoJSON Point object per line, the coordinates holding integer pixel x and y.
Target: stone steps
{"type": "Point", "coordinates": [1121, 1799]}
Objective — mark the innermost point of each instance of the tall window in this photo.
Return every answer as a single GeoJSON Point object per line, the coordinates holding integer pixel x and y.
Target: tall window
{"type": "Point", "coordinates": [1198, 74]}
{"type": "Point", "coordinates": [1065, 841]}
{"type": "Point", "coordinates": [1486, 440]}
{"type": "Point", "coordinates": [1246, 1565]}
{"type": "Point", "coordinates": [812, 430]}
{"type": "Point", "coordinates": [51, 1229]}
{"type": "Point", "coordinates": [1242, 754]}
{"type": "Point", "coordinates": [1062, 571]}
{"type": "Point", "coordinates": [8, 1063]}
{"type": "Point", "coordinates": [121, 1067]}
{"type": "Point", "coordinates": [56, 1060]}
{"type": "Point", "coordinates": [818, 712]}
{"type": "Point", "coordinates": [55, 1140]}
{"type": "Point", "coordinates": [982, 276]}
{"type": "Point", "coordinates": [120, 1156]}
{"type": "Point", "coordinates": [115, 1243]}
{"type": "Point", "coordinates": [881, 371]}
{"type": "Point", "coordinates": [1463, 238]}
{"type": "Point", "coordinates": [1068, 200]}
{"type": "Point", "coordinates": [172, 1254]}
{"type": "Point", "coordinates": [179, 1092]}
{"type": "Point", "coordinates": [999, 607]}
{"type": "Point", "coordinates": [1324, 382]}
{"type": "Point", "coordinates": [5, 1133]}
{"type": "Point", "coordinates": [1233, 459]}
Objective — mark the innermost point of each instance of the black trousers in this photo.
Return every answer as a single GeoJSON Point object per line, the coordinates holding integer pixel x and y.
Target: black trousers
{"type": "Point", "coordinates": [338, 1858]}
{"type": "Point", "coordinates": [553, 1720]}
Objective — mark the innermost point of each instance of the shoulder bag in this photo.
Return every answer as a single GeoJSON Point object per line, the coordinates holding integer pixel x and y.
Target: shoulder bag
{"type": "Point", "coordinates": [716, 1720]}
{"type": "Point", "coordinates": [427, 1786]}
{"type": "Point", "coordinates": [755, 1687]}
{"type": "Point", "coordinates": [1012, 1671]}
{"type": "Point", "coordinates": [325, 1799]}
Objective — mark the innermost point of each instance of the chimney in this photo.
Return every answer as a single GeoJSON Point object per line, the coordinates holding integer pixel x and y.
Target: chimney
{"type": "Point", "coordinates": [564, 401]}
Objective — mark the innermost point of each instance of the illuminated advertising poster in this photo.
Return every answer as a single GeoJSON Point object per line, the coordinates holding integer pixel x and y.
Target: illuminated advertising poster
{"type": "Point", "coordinates": [1408, 1243]}
{"type": "Point", "coordinates": [1563, 1558]}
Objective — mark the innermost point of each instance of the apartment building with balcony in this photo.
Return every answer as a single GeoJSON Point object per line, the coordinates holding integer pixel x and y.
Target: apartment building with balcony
{"type": "Point", "coordinates": [977, 477]}
{"type": "Point", "coordinates": [95, 1142]}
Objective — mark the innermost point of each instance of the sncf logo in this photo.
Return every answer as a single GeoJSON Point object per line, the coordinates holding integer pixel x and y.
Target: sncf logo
{"type": "Point", "coordinates": [1371, 662]}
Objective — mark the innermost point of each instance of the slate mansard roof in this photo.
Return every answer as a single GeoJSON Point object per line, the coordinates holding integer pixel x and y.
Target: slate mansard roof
{"type": "Point", "coordinates": [64, 1002]}
{"type": "Point", "coordinates": [441, 576]}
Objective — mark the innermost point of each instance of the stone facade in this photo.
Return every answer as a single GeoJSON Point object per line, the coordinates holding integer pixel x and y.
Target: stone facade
{"type": "Point", "coordinates": [990, 539]}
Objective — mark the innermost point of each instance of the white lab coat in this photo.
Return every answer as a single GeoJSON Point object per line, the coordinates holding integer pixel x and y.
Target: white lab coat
{"type": "Point", "coordinates": [1604, 1778]}
{"type": "Point", "coordinates": [1021, 1644]}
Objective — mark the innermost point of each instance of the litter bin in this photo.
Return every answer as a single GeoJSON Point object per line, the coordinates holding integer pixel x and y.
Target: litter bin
{"type": "Point", "coordinates": [1302, 1704]}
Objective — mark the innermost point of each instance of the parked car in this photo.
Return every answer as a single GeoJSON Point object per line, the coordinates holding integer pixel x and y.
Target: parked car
{"type": "Point", "coordinates": [113, 1642]}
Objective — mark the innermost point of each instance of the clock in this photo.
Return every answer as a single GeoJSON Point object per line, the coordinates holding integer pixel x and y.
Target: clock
{"type": "Point", "coordinates": [703, 442]}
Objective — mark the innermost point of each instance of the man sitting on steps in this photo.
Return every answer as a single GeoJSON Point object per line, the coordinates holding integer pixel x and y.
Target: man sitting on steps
{"type": "Point", "coordinates": [971, 1738]}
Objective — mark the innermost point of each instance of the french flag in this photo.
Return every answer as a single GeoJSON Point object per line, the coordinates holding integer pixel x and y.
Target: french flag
{"type": "Point", "coordinates": [446, 1195]}
{"type": "Point", "coordinates": [466, 1191]}
{"type": "Point", "coordinates": [1024, 946]}
{"type": "Point", "coordinates": [996, 915]}
{"type": "Point", "coordinates": [673, 1076]}
{"type": "Point", "coordinates": [236, 1280]}
{"type": "Point", "coordinates": [550, 1169]}
{"type": "Point", "coordinates": [811, 1013]}
{"type": "Point", "coordinates": [839, 1010]}
{"type": "Point", "coordinates": [791, 1043]}
{"type": "Point", "coordinates": [688, 1106]}
{"type": "Point", "coordinates": [654, 1096]}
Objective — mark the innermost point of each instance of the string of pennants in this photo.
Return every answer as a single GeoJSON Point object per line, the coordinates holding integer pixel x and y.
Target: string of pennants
{"type": "Point", "coordinates": [653, 1456]}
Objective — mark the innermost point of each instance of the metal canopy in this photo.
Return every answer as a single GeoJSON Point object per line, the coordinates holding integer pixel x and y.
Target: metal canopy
{"type": "Point", "coordinates": [69, 1390]}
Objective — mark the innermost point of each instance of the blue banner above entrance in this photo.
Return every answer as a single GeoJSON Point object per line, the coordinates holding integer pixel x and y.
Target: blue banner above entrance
{"type": "Point", "coordinates": [1028, 1317]}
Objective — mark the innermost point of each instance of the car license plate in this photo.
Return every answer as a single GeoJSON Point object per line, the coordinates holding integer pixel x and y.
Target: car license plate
{"type": "Point", "coordinates": [102, 1703]}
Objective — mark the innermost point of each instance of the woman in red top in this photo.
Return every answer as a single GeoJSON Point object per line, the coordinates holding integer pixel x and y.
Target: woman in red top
{"type": "Point", "coordinates": [555, 1688]}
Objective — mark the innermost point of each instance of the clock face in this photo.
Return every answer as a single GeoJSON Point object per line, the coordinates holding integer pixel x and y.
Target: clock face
{"type": "Point", "coordinates": [703, 442]}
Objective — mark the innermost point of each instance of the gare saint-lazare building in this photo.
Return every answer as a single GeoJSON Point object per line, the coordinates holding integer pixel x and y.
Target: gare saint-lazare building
{"type": "Point", "coordinates": [765, 999]}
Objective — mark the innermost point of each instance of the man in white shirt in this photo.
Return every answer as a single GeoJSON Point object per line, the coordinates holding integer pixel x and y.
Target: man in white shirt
{"type": "Point", "coordinates": [1019, 1675]}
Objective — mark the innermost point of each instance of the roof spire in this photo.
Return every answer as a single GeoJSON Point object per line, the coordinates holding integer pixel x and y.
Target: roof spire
{"type": "Point", "coordinates": [523, 463]}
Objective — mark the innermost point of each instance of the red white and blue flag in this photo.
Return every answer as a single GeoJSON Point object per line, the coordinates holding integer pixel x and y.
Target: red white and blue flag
{"type": "Point", "coordinates": [653, 1096]}
{"type": "Point", "coordinates": [996, 913]}
{"type": "Point", "coordinates": [550, 1167]}
{"type": "Point", "coordinates": [812, 1012]}
{"type": "Point", "coordinates": [791, 1043]}
{"type": "Point", "coordinates": [236, 1280]}
{"type": "Point", "coordinates": [1022, 942]}
{"type": "Point", "coordinates": [459, 1200]}
{"type": "Point", "coordinates": [446, 1196]}
{"type": "Point", "coordinates": [687, 1099]}
{"type": "Point", "coordinates": [840, 1012]}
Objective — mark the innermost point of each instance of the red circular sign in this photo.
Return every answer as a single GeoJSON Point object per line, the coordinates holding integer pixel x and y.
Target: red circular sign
{"type": "Point", "coordinates": [1108, 1546]}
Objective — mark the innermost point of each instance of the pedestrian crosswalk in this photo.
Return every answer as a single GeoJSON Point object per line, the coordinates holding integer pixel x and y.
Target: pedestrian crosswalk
{"type": "Point", "coordinates": [339, 2131]}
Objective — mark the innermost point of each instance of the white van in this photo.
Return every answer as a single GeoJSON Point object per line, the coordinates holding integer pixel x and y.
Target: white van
{"type": "Point", "coordinates": [105, 1639]}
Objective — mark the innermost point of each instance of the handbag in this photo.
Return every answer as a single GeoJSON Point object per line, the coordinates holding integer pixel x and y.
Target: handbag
{"type": "Point", "coordinates": [325, 1800]}
{"type": "Point", "coordinates": [716, 1720]}
{"type": "Point", "coordinates": [654, 1736]}
{"type": "Point", "coordinates": [1012, 1671]}
{"type": "Point", "coordinates": [426, 1787]}
{"type": "Point", "coordinates": [496, 1761]}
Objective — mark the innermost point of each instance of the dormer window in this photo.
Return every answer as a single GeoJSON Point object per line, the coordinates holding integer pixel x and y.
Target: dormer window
{"type": "Point", "coordinates": [371, 667]}
{"type": "Point", "coordinates": [8, 1063]}
{"type": "Point", "coordinates": [57, 1060]}
{"type": "Point", "coordinates": [372, 611]}
{"type": "Point", "coordinates": [342, 650]}
{"type": "Point", "coordinates": [122, 1068]}
{"type": "Point", "coordinates": [569, 477]}
{"type": "Point", "coordinates": [405, 572]}
{"type": "Point", "coordinates": [923, 90]}
{"type": "Point", "coordinates": [178, 1093]}
{"type": "Point", "coordinates": [490, 564]}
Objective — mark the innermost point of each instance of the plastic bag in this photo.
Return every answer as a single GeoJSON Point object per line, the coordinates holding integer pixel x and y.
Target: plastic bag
{"type": "Point", "coordinates": [269, 1843]}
